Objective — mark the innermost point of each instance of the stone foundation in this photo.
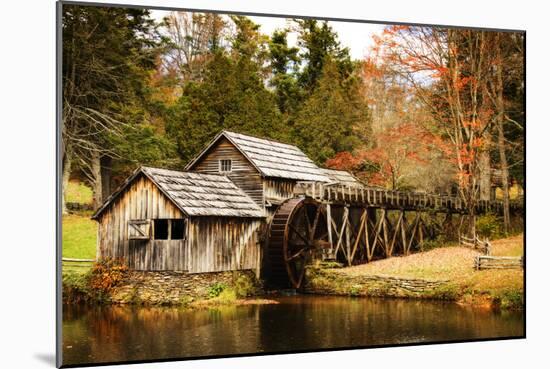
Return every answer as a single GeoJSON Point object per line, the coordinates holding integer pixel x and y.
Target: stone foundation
{"type": "Point", "coordinates": [321, 281]}
{"type": "Point", "coordinates": [170, 288]}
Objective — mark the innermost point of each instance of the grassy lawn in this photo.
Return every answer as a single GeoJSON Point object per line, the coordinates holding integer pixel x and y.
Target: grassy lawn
{"type": "Point", "coordinates": [79, 236]}
{"type": "Point", "coordinates": [79, 231]}
{"type": "Point", "coordinates": [78, 192]}
{"type": "Point", "coordinates": [455, 264]}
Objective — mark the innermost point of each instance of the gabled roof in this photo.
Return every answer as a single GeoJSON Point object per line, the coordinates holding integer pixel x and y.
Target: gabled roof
{"type": "Point", "coordinates": [270, 158]}
{"type": "Point", "coordinates": [342, 177]}
{"type": "Point", "coordinates": [195, 194]}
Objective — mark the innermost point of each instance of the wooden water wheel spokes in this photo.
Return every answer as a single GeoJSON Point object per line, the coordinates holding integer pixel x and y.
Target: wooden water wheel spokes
{"type": "Point", "coordinates": [300, 222]}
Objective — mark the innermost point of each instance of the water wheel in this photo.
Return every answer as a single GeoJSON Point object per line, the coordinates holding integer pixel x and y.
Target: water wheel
{"type": "Point", "coordinates": [297, 231]}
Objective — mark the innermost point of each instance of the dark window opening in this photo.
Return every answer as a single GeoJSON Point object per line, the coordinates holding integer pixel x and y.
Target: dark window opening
{"type": "Point", "coordinates": [169, 229]}
{"type": "Point", "coordinates": [161, 229]}
{"type": "Point", "coordinates": [225, 165]}
{"type": "Point", "coordinates": [177, 229]}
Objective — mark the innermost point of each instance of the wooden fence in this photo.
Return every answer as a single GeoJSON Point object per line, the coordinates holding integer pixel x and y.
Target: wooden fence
{"type": "Point", "coordinates": [77, 263]}
{"type": "Point", "coordinates": [498, 262]}
{"type": "Point", "coordinates": [476, 244]}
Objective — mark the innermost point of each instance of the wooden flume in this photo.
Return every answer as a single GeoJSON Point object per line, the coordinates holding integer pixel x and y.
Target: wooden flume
{"type": "Point", "coordinates": [356, 225]}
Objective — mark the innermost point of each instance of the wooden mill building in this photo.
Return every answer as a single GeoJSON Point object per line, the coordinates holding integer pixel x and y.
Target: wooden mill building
{"type": "Point", "coordinates": [208, 217]}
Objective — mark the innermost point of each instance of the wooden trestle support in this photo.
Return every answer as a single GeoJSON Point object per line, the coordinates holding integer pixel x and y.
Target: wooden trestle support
{"type": "Point", "coordinates": [353, 229]}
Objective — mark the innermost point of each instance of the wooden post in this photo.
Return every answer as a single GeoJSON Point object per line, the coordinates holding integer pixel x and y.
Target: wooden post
{"type": "Point", "coordinates": [395, 232]}
{"type": "Point", "coordinates": [367, 242]}
{"type": "Point", "coordinates": [329, 226]}
{"type": "Point", "coordinates": [348, 242]}
{"type": "Point", "coordinates": [358, 236]}
{"type": "Point", "coordinates": [385, 228]}
{"type": "Point", "coordinates": [341, 233]}
{"type": "Point", "coordinates": [420, 232]}
{"type": "Point", "coordinates": [377, 232]}
{"type": "Point", "coordinates": [403, 234]}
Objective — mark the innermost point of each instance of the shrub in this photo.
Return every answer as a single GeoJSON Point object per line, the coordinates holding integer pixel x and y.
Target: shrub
{"type": "Point", "coordinates": [216, 289]}
{"type": "Point", "coordinates": [76, 287]}
{"type": "Point", "coordinates": [227, 296]}
{"type": "Point", "coordinates": [105, 274]}
{"type": "Point", "coordinates": [489, 225]}
{"type": "Point", "coordinates": [511, 299]}
{"type": "Point", "coordinates": [243, 286]}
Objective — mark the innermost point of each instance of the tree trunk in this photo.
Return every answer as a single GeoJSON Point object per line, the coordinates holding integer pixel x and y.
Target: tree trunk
{"type": "Point", "coordinates": [485, 169]}
{"type": "Point", "coordinates": [501, 141]}
{"type": "Point", "coordinates": [67, 164]}
{"type": "Point", "coordinates": [505, 177]}
{"type": "Point", "coordinates": [96, 179]}
{"type": "Point", "coordinates": [106, 170]}
{"type": "Point", "coordinates": [472, 222]}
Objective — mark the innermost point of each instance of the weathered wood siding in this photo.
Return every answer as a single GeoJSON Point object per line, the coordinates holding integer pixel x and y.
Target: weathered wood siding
{"type": "Point", "coordinates": [141, 200]}
{"type": "Point", "coordinates": [277, 190]}
{"type": "Point", "coordinates": [219, 244]}
{"type": "Point", "coordinates": [212, 244]}
{"type": "Point", "coordinates": [243, 173]}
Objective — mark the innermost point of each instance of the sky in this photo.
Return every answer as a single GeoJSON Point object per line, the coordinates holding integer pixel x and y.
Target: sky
{"type": "Point", "coordinates": [356, 36]}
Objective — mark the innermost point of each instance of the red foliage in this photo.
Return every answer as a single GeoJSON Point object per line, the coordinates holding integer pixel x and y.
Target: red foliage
{"type": "Point", "coordinates": [344, 161]}
{"type": "Point", "coordinates": [398, 146]}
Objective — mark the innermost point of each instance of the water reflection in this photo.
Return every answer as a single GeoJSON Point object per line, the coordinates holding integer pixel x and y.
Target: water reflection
{"type": "Point", "coordinates": [121, 333]}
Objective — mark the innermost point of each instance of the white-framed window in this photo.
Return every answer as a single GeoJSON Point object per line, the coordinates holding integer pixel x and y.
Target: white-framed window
{"type": "Point", "coordinates": [225, 165]}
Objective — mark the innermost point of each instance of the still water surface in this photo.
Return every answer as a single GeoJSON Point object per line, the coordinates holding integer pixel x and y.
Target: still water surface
{"type": "Point", "coordinates": [124, 333]}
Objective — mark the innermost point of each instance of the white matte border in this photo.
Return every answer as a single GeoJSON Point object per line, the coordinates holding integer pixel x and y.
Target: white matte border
{"type": "Point", "coordinates": [28, 185]}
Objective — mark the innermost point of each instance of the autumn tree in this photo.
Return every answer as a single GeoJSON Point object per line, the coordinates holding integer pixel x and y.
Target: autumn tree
{"type": "Point", "coordinates": [407, 157]}
{"type": "Point", "coordinates": [448, 68]}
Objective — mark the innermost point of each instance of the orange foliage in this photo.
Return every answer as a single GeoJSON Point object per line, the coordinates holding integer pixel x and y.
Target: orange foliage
{"type": "Point", "coordinates": [404, 144]}
{"type": "Point", "coordinates": [107, 273]}
{"type": "Point", "coordinates": [344, 161]}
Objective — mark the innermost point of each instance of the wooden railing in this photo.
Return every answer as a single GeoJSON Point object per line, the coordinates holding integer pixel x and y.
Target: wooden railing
{"type": "Point", "coordinates": [78, 263]}
{"type": "Point", "coordinates": [498, 262]}
{"type": "Point", "coordinates": [476, 244]}
{"type": "Point", "coordinates": [377, 197]}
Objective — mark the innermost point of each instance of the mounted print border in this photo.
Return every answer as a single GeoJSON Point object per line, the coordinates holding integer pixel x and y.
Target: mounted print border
{"type": "Point", "coordinates": [235, 184]}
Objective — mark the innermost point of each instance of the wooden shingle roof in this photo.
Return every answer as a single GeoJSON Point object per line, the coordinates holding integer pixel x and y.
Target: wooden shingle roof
{"type": "Point", "coordinates": [196, 194]}
{"type": "Point", "coordinates": [271, 158]}
{"type": "Point", "coordinates": [342, 177]}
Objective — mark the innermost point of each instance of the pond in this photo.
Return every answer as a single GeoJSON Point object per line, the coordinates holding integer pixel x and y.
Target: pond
{"type": "Point", "coordinates": [98, 334]}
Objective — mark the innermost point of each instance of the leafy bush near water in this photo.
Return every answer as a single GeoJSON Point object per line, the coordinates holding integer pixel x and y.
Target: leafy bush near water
{"type": "Point", "coordinates": [106, 274]}
{"type": "Point", "coordinates": [243, 286]}
{"type": "Point", "coordinates": [216, 289]}
{"type": "Point", "coordinates": [510, 299]}
{"type": "Point", "coordinates": [95, 284]}
{"type": "Point", "coordinates": [76, 287]}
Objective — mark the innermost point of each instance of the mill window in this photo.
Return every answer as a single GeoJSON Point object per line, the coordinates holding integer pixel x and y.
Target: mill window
{"type": "Point", "coordinates": [177, 229]}
{"type": "Point", "coordinates": [169, 229]}
{"type": "Point", "coordinates": [161, 229]}
{"type": "Point", "coordinates": [225, 165]}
